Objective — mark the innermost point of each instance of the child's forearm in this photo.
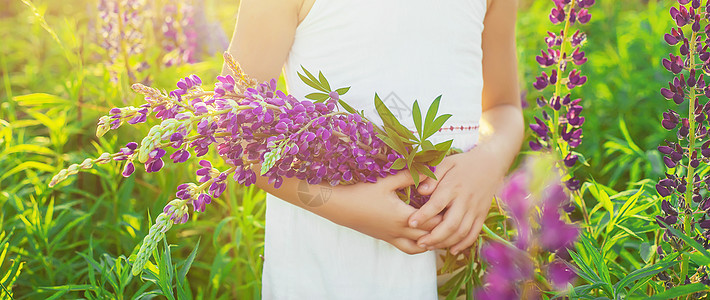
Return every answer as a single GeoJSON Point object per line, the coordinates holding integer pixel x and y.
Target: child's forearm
{"type": "Point", "coordinates": [502, 132]}
{"type": "Point", "coordinates": [317, 198]}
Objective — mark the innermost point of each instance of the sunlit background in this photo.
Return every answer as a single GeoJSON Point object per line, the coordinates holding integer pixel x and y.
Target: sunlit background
{"type": "Point", "coordinates": [57, 78]}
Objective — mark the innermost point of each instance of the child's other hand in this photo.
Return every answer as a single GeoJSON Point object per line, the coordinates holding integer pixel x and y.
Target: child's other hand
{"type": "Point", "coordinates": [374, 209]}
{"type": "Point", "coordinates": [464, 190]}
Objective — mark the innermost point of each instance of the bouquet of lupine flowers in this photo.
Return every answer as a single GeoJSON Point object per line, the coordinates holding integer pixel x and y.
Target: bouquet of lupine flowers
{"type": "Point", "coordinates": [256, 128]}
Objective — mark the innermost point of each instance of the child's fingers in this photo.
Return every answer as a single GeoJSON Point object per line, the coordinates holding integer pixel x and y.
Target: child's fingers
{"type": "Point", "coordinates": [460, 234]}
{"type": "Point", "coordinates": [429, 185]}
{"type": "Point", "coordinates": [436, 204]}
{"type": "Point", "coordinates": [402, 179]}
{"type": "Point", "coordinates": [407, 246]}
{"type": "Point", "coordinates": [449, 226]}
{"type": "Point", "coordinates": [413, 233]}
{"type": "Point", "coordinates": [470, 239]}
{"type": "Point", "coordinates": [432, 223]}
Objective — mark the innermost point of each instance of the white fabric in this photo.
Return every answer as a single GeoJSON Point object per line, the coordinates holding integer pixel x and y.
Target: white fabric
{"type": "Point", "coordinates": [405, 50]}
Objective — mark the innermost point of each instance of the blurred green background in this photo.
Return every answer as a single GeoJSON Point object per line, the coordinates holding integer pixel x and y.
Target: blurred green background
{"type": "Point", "coordinates": [73, 241]}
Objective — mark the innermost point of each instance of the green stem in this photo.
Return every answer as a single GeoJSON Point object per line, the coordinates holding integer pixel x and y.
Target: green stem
{"type": "Point", "coordinates": [124, 50]}
{"type": "Point", "coordinates": [496, 237]}
{"type": "Point", "coordinates": [691, 170]}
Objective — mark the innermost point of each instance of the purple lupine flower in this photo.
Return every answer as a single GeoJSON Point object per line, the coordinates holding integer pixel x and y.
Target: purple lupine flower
{"type": "Point", "coordinates": [509, 267]}
{"type": "Point", "coordinates": [155, 161]}
{"type": "Point", "coordinates": [121, 24]}
{"type": "Point", "coordinates": [553, 133]}
{"type": "Point", "coordinates": [515, 196]}
{"type": "Point", "coordinates": [554, 233]}
{"type": "Point", "coordinates": [683, 188]}
{"type": "Point", "coordinates": [560, 274]}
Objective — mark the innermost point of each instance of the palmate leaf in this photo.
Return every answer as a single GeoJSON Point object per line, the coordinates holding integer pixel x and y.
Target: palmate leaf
{"type": "Point", "coordinates": [389, 120]}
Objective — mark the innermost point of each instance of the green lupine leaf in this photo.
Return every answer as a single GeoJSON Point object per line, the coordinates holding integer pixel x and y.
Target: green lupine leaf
{"type": "Point", "coordinates": [427, 145]}
{"type": "Point", "coordinates": [436, 125]}
{"type": "Point", "coordinates": [581, 158]}
{"type": "Point", "coordinates": [417, 117]}
{"type": "Point", "coordinates": [678, 291]}
{"type": "Point", "coordinates": [597, 258]}
{"type": "Point", "coordinates": [394, 144]}
{"type": "Point", "coordinates": [688, 240]}
{"type": "Point", "coordinates": [437, 161]}
{"type": "Point", "coordinates": [324, 83]}
{"type": "Point", "coordinates": [310, 76]}
{"type": "Point", "coordinates": [630, 202]}
{"type": "Point", "coordinates": [188, 262]}
{"type": "Point", "coordinates": [342, 91]}
{"type": "Point", "coordinates": [431, 113]}
{"type": "Point", "coordinates": [586, 271]}
{"type": "Point", "coordinates": [699, 259]}
{"type": "Point", "coordinates": [308, 81]}
{"type": "Point", "coordinates": [426, 156]}
{"type": "Point", "coordinates": [415, 177]}
{"type": "Point", "coordinates": [646, 251]}
{"type": "Point", "coordinates": [398, 164]}
{"type": "Point", "coordinates": [313, 81]}
{"type": "Point", "coordinates": [444, 146]}
{"type": "Point", "coordinates": [424, 170]}
{"type": "Point", "coordinates": [389, 120]}
{"type": "Point", "coordinates": [410, 158]}
{"type": "Point", "coordinates": [347, 107]}
{"type": "Point", "coordinates": [318, 97]}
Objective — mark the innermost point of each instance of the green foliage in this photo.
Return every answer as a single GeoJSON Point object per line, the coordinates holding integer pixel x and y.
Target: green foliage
{"type": "Point", "coordinates": [72, 241]}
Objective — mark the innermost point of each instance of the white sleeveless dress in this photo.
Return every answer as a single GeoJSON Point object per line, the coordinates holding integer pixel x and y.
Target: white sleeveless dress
{"type": "Point", "coordinates": [404, 50]}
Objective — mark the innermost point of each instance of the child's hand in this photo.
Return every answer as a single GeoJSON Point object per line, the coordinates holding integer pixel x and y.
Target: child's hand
{"type": "Point", "coordinates": [465, 188]}
{"type": "Point", "coordinates": [374, 209]}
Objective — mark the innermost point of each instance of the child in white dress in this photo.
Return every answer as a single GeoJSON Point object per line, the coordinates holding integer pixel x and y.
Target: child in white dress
{"type": "Point", "coordinates": [361, 241]}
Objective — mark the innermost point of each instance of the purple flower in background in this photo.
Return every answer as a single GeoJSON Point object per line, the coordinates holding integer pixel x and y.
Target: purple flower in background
{"type": "Point", "coordinates": [560, 275]}
{"type": "Point", "coordinates": [684, 204]}
{"type": "Point", "coordinates": [509, 267]}
{"type": "Point", "coordinates": [121, 23]}
{"type": "Point", "coordinates": [560, 129]}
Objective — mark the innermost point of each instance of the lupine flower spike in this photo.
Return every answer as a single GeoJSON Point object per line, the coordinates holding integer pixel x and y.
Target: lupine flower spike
{"type": "Point", "coordinates": [684, 190]}
{"type": "Point", "coordinates": [559, 129]}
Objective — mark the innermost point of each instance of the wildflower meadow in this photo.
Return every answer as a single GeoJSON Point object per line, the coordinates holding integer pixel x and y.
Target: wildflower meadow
{"type": "Point", "coordinates": [128, 160]}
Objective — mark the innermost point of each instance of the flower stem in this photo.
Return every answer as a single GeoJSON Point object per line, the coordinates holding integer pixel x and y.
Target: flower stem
{"type": "Point", "coordinates": [496, 237]}
{"type": "Point", "coordinates": [690, 176]}
{"type": "Point", "coordinates": [124, 50]}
